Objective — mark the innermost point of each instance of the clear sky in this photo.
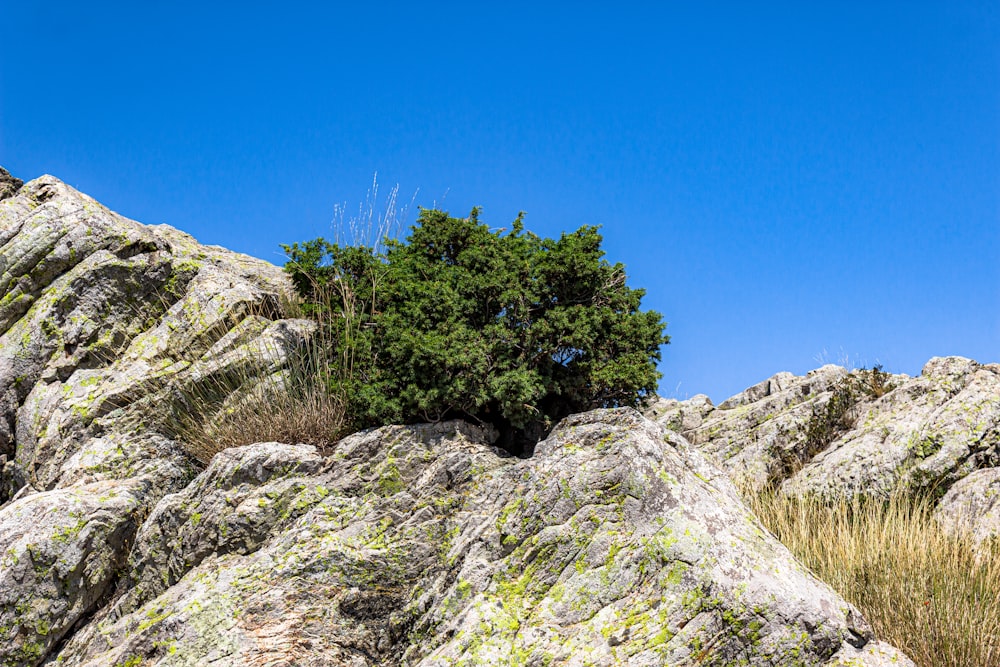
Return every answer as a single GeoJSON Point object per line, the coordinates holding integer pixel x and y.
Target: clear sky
{"type": "Point", "coordinates": [792, 184]}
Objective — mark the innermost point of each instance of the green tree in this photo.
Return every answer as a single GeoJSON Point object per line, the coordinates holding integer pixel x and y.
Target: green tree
{"type": "Point", "coordinates": [461, 321]}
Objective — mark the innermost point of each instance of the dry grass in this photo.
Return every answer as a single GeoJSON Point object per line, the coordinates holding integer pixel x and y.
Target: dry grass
{"type": "Point", "coordinates": [241, 408]}
{"type": "Point", "coordinates": [931, 594]}
{"type": "Point", "coordinates": [312, 417]}
{"type": "Point", "coordinates": [245, 400]}
{"type": "Point", "coordinates": [306, 402]}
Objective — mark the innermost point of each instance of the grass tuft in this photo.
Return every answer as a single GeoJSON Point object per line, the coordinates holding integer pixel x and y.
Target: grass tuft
{"type": "Point", "coordinates": [932, 594]}
{"type": "Point", "coordinates": [306, 401]}
{"type": "Point", "coordinates": [240, 407]}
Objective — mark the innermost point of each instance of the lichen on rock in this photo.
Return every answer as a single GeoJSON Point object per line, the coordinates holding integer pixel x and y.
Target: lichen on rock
{"type": "Point", "coordinates": [618, 543]}
{"type": "Point", "coordinates": [922, 434]}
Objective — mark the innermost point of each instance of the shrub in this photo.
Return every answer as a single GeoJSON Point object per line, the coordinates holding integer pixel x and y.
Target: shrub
{"type": "Point", "coordinates": [874, 382]}
{"type": "Point", "coordinates": [831, 419]}
{"type": "Point", "coordinates": [460, 321]}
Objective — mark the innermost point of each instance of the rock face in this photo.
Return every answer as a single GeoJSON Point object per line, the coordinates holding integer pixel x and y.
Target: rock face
{"type": "Point", "coordinates": [973, 505]}
{"type": "Point", "coordinates": [102, 322]}
{"type": "Point", "coordinates": [423, 546]}
{"type": "Point", "coordinates": [752, 434]}
{"type": "Point", "coordinates": [618, 543]}
{"type": "Point", "coordinates": [8, 184]}
{"type": "Point", "coordinates": [62, 550]}
{"type": "Point", "coordinates": [925, 432]}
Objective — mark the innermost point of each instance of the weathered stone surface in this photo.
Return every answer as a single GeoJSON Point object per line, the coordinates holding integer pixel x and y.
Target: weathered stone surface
{"type": "Point", "coordinates": [105, 324]}
{"type": "Point", "coordinates": [60, 553]}
{"type": "Point", "coordinates": [973, 505]}
{"type": "Point", "coordinates": [928, 433]}
{"type": "Point", "coordinates": [925, 433]}
{"type": "Point", "coordinates": [423, 546]}
{"type": "Point", "coordinates": [617, 543]}
{"type": "Point", "coordinates": [105, 319]}
{"type": "Point", "coordinates": [326, 587]}
{"type": "Point", "coordinates": [751, 434]}
{"type": "Point", "coordinates": [8, 184]}
{"type": "Point", "coordinates": [244, 498]}
{"type": "Point", "coordinates": [681, 416]}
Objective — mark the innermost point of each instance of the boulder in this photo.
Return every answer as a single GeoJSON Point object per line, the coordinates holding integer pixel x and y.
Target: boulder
{"type": "Point", "coordinates": [61, 554]}
{"type": "Point", "coordinates": [972, 505]}
{"type": "Point", "coordinates": [106, 325]}
{"type": "Point", "coordinates": [244, 497]}
{"type": "Point", "coordinates": [8, 184]}
{"type": "Point", "coordinates": [426, 546]}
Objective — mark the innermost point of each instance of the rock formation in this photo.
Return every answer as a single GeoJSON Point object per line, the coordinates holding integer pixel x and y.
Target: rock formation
{"type": "Point", "coordinates": [102, 322]}
{"type": "Point", "coordinates": [617, 543]}
{"type": "Point", "coordinates": [925, 433]}
{"type": "Point", "coordinates": [8, 184]}
{"type": "Point", "coordinates": [973, 505]}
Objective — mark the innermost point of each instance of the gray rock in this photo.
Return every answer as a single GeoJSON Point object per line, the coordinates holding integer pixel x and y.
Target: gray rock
{"type": "Point", "coordinates": [753, 435]}
{"type": "Point", "coordinates": [924, 433]}
{"type": "Point", "coordinates": [8, 184]}
{"type": "Point", "coordinates": [105, 324]}
{"type": "Point", "coordinates": [681, 416]}
{"type": "Point", "coordinates": [423, 546]}
{"type": "Point", "coordinates": [972, 505]}
{"type": "Point", "coordinates": [617, 543]}
{"type": "Point", "coordinates": [61, 552]}
{"type": "Point", "coordinates": [246, 496]}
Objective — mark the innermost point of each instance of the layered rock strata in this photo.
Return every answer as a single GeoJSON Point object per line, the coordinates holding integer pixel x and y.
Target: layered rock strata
{"type": "Point", "coordinates": [922, 434]}
{"type": "Point", "coordinates": [616, 544]}
{"type": "Point", "coordinates": [104, 322]}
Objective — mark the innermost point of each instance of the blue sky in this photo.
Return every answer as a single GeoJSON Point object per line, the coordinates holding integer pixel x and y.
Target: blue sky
{"type": "Point", "coordinates": [791, 184]}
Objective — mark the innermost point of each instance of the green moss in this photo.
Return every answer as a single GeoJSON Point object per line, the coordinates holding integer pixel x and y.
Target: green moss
{"type": "Point", "coordinates": [169, 646]}
{"type": "Point", "coordinates": [27, 653]}
{"type": "Point", "coordinates": [509, 509]}
{"type": "Point", "coordinates": [661, 637]}
{"type": "Point", "coordinates": [390, 482]}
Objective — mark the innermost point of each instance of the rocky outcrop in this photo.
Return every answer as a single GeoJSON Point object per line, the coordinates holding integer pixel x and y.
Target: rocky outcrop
{"type": "Point", "coordinates": [754, 434]}
{"type": "Point", "coordinates": [972, 505]}
{"type": "Point", "coordinates": [103, 319]}
{"type": "Point", "coordinates": [8, 184]}
{"type": "Point", "coordinates": [62, 551]}
{"type": "Point", "coordinates": [426, 546]}
{"type": "Point", "coordinates": [923, 433]}
{"type": "Point", "coordinates": [618, 543]}
{"type": "Point", "coordinates": [104, 323]}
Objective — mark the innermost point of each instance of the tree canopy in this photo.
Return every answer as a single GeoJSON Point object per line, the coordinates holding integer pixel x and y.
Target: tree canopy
{"type": "Point", "coordinates": [458, 320]}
